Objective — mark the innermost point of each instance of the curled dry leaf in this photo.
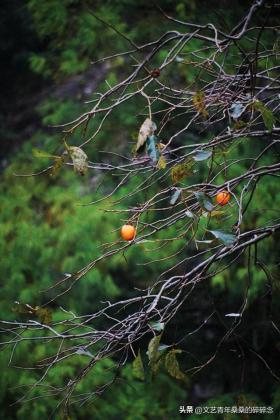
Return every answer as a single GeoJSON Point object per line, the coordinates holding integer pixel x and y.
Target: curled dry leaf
{"type": "Point", "coordinates": [79, 158]}
{"type": "Point", "coordinates": [147, 129]}
{"type": "Point", "coordinates": [172, 365]}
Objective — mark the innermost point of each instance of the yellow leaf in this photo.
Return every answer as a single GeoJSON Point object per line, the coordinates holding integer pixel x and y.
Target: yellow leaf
{"type": "Point", "coordinates": [161, 146]}
{"type": "Point", "coordinates": [161, 163]}
{"type": "Point", "coordinates": [178, 172]}
{"type": "Point", "coordinates": [217, 213]}
{"type": "Point", "coordinates": [56, 166]}
{"type": "Point", "coordinates": [199, 103]}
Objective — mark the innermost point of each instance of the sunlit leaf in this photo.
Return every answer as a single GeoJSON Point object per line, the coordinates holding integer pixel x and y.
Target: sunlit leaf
{"type": "Point", "coordinates": [202, 155]}
{"type": "Point", "coordinates": [138, 368]}
{"type": "Point", "coordinates": [147, 129]}
{"type": "Point", "coordinates": [172, 365]}
{"type": "Point", "coordinates": [42, 154]}
{"type": "Point", "coordinates": [226, 238]}
{"type": "Point", "coordinates": [175, 196]}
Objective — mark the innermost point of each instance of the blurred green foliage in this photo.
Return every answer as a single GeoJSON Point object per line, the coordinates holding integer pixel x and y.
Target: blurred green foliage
{"type": "Point", "coordinates": [47, 230]}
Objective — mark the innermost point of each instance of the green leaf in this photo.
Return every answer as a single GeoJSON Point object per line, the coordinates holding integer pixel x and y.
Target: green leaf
{"type": "Point", "coordinates": [138, 368]}
{"type": "Point", "coordinates": [175, 196]}
{"type": "Point", "coordinates": [42, 154]}
{"type": "Point", "coordinates": [269, 118]}
{"type": "Point", "coordinates": [58, 160]}
{"type": "Point", "coordinates": [172, 365]}
{"type": "Point", "coordinates": [152, 149]}
{"type": "Point", "coordinates": [226, 238]}
{"type": "Point", "coordinates": [202, 155]}
{"type": "Point", "coordinates": [204, 201]}
{"type": "Point", "coordinates": [157, 326]}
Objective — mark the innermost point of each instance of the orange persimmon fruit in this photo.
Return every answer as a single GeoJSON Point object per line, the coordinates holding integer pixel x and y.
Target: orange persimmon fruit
{"type": "Point", "coordinates": [128, 232]}
{"type": "Point", "coordinates": [222, 198]}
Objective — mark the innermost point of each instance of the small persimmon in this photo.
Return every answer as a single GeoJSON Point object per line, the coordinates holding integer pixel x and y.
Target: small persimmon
{"type": "Point", "coordinates": [222, 198]}
{"type": "Point", "coordinates": [128, 232]}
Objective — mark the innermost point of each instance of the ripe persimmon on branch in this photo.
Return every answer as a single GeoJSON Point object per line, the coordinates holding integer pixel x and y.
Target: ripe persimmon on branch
{"type": "Point", "coordinates": [190, 140]}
